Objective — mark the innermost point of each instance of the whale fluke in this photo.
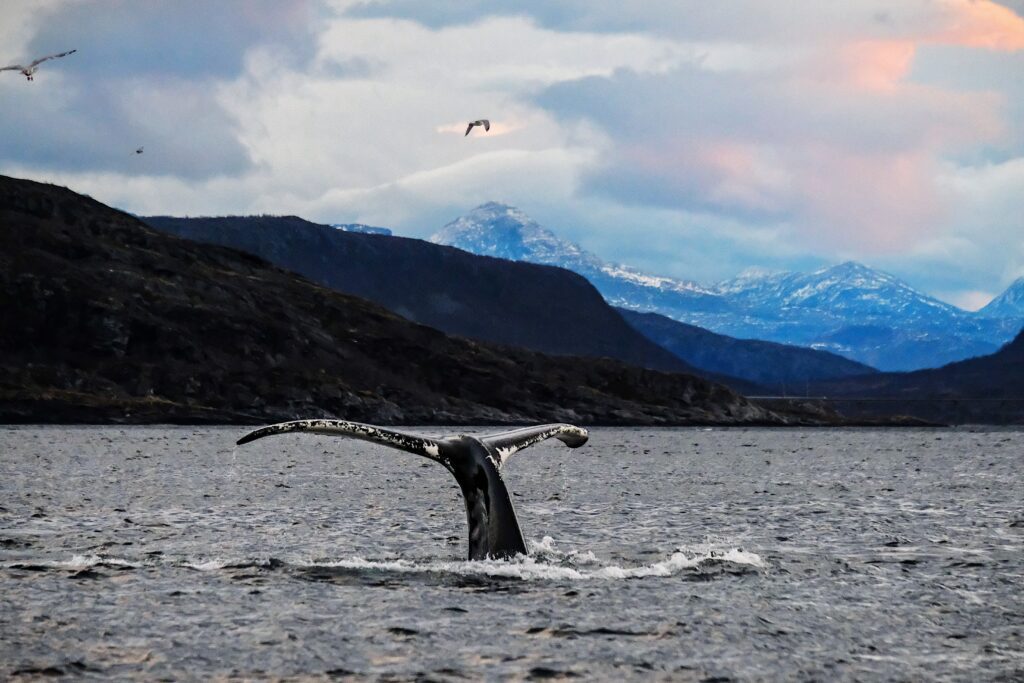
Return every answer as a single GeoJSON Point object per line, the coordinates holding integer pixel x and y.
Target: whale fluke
{"type": "Point", "coordinates": [507, 443]}
{"type": "Point", "coordinates": [475, 462]}
{"type": "Point", "coordinates": [413, 443]}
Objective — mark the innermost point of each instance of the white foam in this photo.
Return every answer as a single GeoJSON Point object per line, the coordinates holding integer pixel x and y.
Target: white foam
{"type": "Point", "coordinates": [546, 562]}
{"type": "Point", "coordinates": [208, 565]}
{"type": "Point", "coordinates": [573, 566]}
{"type": "Point", "coordinates": [77, 562]}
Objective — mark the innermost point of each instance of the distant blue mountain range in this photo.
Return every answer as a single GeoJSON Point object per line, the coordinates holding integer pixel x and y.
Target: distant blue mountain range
{"type": "Point", "coordinates": [849, 309]}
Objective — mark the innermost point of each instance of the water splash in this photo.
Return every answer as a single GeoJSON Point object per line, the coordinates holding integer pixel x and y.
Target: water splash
{"type": "Point", "coordinates": [547, 562]}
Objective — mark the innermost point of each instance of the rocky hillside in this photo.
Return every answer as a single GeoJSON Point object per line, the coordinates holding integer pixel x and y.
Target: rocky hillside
{"type": "Point", "coordinates": [105, 319]}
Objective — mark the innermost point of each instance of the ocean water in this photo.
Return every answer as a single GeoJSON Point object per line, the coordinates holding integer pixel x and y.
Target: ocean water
{"type": "Point", "coordinates": [673, 554]}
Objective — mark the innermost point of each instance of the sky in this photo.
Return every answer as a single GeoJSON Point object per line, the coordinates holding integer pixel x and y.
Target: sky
{"type": "Point", "coordinates": [691, 139]}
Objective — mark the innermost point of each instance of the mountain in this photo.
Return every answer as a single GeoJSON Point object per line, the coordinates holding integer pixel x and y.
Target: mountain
{"type": "Point", "coordinates": [507, 302]}
{"type": "Point", "coordinates": [1009, 304]}
{"type": "Point", "coordinates": [105, 319]}
{"type": "Point", "coordinates": [502, 231]}
{"type": "Point", "coordinates": [849, 309]}
{"type": "Point", "coordinates": [987, 389]}
{"type": "Point", "coordinates": [782, 368]}
{"type": "Point", "coordinates": [860, 313]}
{"type": "Point", "coordinates": [359, 227]}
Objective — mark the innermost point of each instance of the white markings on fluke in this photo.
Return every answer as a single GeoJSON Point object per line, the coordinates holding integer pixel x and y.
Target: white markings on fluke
{"type": "Point", "coordinates": [475, 462]}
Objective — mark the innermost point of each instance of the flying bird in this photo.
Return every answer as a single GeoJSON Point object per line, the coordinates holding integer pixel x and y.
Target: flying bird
{"type": "Point", "coordinates": [29, 70]}
{"type": "Point", "coordinates": [138, 151]}
{"type": "Point", "coordinates": [482, 122]}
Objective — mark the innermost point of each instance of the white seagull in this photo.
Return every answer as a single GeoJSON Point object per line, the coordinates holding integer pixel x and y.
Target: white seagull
{"type": "Point", "coordinates": [29, 70]}
{"type": "Point", "coordinates": [482, 122]}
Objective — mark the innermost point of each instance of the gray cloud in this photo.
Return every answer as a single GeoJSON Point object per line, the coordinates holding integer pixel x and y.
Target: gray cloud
{"type": "Point", "coordinates": [184, 131]}
{"type": "Point", "coordinates": [799, 138]}
{"type": "Point", "coordinates": [185, 38]}
{"type": "Point", "coordinates": [780, 148]}
{"type": "Point", "coordinates": [753, 20]}
{"type": "Point", "coordinates": [146, 73]}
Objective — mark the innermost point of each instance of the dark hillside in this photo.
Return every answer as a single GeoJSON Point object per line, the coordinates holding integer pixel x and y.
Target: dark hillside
{"type": "Point", "coordinates": [781, 368]}
{"type": "Point", "coordinates": [104, 319]}
{"type": "Point", "coordinates": [987, 389]}
{"type": "Point", "coordinates": [513, 303]}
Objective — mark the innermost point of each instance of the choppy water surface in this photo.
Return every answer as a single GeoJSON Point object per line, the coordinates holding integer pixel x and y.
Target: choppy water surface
{"type": "Point", "coordinates": [682, 554]}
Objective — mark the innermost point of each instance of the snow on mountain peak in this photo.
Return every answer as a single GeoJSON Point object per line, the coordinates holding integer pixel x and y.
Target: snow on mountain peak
{"type": "Point", "coordinates": [849, 308]}
{"type": "Point", "coordinates": [496, 229]}
{"type": "Point", "coordinates": [1009, 304]}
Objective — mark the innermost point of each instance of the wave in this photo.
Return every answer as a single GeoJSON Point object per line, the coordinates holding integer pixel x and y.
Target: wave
{"type": "Point", "coordinates": [76, 563]}
{"type": "Point", "coordinates": [546, 562]}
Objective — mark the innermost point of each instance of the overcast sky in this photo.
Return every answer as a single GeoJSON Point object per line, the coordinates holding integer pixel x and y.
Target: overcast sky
{"type": "Point", "coordinates": [693, 139]}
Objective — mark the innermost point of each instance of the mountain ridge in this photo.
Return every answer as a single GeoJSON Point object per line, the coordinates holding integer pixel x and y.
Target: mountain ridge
{"type": "Point", "coordinates": [1010, 302]}
{"type": "Point", "coordinates": [986, 389]}
{"type": "Point", "coordinates": [507, 302]}
{"type": "Point", "coordinates": [848, 309]}
{"type": "Point", "coordinates": [108, 320]}
{"type": "Point", "coordinates": [780, 368]}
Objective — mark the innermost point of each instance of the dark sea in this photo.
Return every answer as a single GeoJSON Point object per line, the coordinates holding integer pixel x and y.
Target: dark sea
{"type": "Point", "coordinates": [160, 553]}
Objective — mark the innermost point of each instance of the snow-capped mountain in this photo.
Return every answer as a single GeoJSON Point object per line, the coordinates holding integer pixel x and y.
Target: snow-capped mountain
{"type": "Point", "coordinates": [359, 227]}
{"type": "Point", "coordinates": [502, 231]}
{"type": "Point", "coordinates": [1009, 304]}
{"type": "Point", "coordinates": [848, 287]}
{"type": "Point", "coordinates": [861, 313]}
{"type": "Point", "coordinates": [850, 309]}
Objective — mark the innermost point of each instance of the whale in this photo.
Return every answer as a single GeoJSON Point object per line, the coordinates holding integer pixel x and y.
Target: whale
{"type": "Point", "coordinates": [476, 462]}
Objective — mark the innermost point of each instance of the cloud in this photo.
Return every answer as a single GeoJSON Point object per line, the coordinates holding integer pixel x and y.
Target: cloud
{"type": "Point", "coordinates": [696, 139]}
{"type": "Point", "coordinates": [145, 74]}
{"type": "Point", "coordinates": [182, 38]}
{"type": "Point", "coordinates": [850, 170]}
{"type": "Point", "coordinates": [969, 300]}
{"type": "Point", "coordinates": [61, 124]}
{"type": "Point", "coordinates": [978, 23]}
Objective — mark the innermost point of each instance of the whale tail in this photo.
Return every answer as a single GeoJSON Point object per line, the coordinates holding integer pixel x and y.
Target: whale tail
{"type": "Point", "coordinates": [475, 461]}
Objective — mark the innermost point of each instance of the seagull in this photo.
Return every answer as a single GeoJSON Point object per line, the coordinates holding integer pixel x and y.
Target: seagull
{"type": "Point", "coordinates": [29, 70]}
{"type": "Point", "coordinates": [138, 151]}
{"type": "Point", "coordinates": [482, 122]}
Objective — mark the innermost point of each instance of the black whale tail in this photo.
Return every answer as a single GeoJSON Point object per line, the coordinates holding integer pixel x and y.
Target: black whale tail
{"type": "Point", "coordinates": [475, 461]}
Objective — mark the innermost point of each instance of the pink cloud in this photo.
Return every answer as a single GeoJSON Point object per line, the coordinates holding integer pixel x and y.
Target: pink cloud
{"type": "Point", "coordinates": [979, 23]}
{"type": "Point", "coordinates": [875, 64]}
{"type": "Point", "coordinates": [870, 203]}
{"type": "Point", "coordinates": [882, 63]}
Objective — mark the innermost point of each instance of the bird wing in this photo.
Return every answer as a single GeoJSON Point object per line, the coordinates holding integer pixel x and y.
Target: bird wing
{"type": "Point", "coordinates": [14, 67]}
{"type": "Point", "coordinates": [56, 56]}
{"type": "Point", "coordinates": [469, 128]}
{"type": "Point", "coordinates": [507, 443]}
{"type": "Point", "coordinates": [413, 443]}
{"type": "Point", "coordinates": [487, 125]}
